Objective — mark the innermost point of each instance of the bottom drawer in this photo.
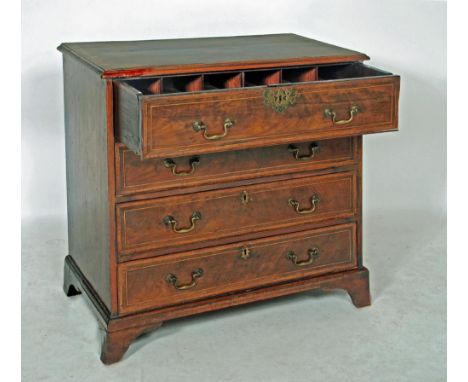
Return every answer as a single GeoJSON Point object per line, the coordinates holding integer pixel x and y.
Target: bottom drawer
{"type": "Point", "coordinates": [175, 279]}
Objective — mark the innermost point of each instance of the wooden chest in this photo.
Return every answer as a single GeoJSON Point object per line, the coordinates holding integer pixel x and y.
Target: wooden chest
{"type": "Point", "coordinates": [208, 173]}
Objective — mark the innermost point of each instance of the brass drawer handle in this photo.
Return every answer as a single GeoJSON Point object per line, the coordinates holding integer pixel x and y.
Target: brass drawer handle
{"type": "Point", "coordinates": [314, 200]}
{"type": "Point", "coordinates": [280, 100]}
{"type": "Point", "coordinates": [171, 222]}
{"type": "Point", "coordinates": [200, 126]}
{"type": "Point", "coordinates": [330, 113]}
{"type": "Point", "coordinates": [196, 274]}
{"type": "Point", "coordinates": [313, 149]}
{"type": "Point", "coordinates": [193, 162]}
{"type": "Point", "coordinates": [313, 253]}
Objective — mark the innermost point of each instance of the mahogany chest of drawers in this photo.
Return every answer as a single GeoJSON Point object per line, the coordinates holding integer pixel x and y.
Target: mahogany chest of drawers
{"type": "Point", "coordinates": [208, 173]}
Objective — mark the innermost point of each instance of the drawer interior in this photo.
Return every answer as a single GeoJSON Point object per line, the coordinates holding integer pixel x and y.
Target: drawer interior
{"type": "Point", "coordinates": [251, 78]}
{"type": "Point", "coordinates": [262, 77]}
{"type": "Point", "coordinates": [292, 75]}
{"type": "Point", "coordinates": [225, 80]}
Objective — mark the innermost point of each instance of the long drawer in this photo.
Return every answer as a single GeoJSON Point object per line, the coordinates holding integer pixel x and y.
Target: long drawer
{"type": "Point", "coordinates": [175, 279]}
{"type": "Point", "coordinates": [163, 225]}
{"type": "Point", "coordinates": [134, 176]}
{"type": "Point", "coordinates": [348, 101]}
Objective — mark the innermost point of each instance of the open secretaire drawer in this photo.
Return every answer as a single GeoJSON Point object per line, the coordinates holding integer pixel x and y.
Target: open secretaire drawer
{"type": "Point", "coordinates": [213, 112]}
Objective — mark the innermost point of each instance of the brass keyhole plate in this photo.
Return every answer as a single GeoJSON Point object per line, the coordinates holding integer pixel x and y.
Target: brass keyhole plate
{"type": "Point", "coordinates": [245, 197]}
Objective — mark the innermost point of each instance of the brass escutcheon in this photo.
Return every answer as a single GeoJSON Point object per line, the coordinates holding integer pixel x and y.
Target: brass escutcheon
{"type": "Point", "coordinates": [245, 253]}
{"type": "Point", "coordinates": [280, 99]}
{"type": "Point", "coordinates": [245, 197]}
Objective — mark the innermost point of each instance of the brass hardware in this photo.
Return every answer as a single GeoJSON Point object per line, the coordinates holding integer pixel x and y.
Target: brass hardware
{"type": "Point", "coordinates": [330, 113]}
{"type": "Point", "coordinates": [193, 162]}
{"type": "Point", "coordinates": [171, 222]}
{"type": "Point", "coordinates": [200, 126]}
{"type": "Point", "coordinates": [280, 99]}
{"type": "Point", "coordinates": [196, 274]}
{"type": "Point", "coordinates": [245, 253]}
{"type": "Point", "coordinates": [313, 253]}
{"type": "Point", "coordinates": [313, 149]}
{"type": "Point", "coordinates": [314, 200]}
{"type": "Point", "coordinates": [245, 197]}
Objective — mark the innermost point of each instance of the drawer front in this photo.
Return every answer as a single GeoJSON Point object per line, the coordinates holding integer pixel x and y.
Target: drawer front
{"type": "Point", "coordinates": [175, 279]}
{"type": "Point", "coordinates": [136, 176]}
{"type": "Point", "coordinates": [164, 224]}
{"type": "Point", "coordinates": [204, 123]}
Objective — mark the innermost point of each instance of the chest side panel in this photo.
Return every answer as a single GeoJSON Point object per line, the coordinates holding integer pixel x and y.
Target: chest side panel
{"type": "Point", "coordinates": [87, 174]}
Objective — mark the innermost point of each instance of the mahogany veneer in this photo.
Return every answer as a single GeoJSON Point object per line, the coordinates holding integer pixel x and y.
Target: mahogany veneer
{"type": "Point", "coordinates": [141, 226]}
{"type": "Point", "coordinates": [228, 268]}
{"type": "Point", "coordinates": [208, 173]}
{"type": "Point", "coordinates": [136, 178]}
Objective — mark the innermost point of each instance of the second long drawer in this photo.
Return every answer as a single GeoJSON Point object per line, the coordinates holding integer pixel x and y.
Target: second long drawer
{"type": "Point", "coordinates": [163, 225]}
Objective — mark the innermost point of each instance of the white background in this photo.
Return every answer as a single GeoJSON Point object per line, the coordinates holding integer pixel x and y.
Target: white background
{"type": "Point", "coordinates": [404, 170]}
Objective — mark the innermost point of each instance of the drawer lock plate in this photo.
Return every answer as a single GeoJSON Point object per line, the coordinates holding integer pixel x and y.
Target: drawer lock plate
{"type": "Point", "coordinates": [281, 99]}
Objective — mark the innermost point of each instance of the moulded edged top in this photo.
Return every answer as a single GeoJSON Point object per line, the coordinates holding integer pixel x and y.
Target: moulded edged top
{"type": "Point", "coordinates": [153, 57]}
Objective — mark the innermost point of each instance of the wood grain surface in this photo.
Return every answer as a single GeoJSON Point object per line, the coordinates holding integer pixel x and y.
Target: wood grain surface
{"type": "Point", "coordinates": [139, 58]}
{"type": "Point", "coordinates": [136, 176]}
{"type": "Point", "coordinates": [144, 283]}
{"type": "Point", "coordinates": [141, 225]}
{"type": "Point", "coordinates": [164, 223]}
{"type": "Point", "coordinates": [164, 127]}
